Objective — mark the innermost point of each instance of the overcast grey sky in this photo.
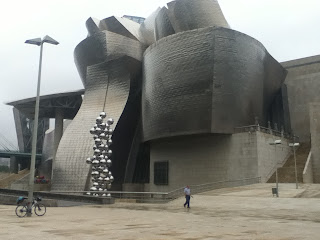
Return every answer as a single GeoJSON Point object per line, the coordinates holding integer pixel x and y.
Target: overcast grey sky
{"type": "Point", "coordinates": [289, 29]}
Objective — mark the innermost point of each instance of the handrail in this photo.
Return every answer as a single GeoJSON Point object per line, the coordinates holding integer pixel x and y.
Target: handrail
{"type": "Point", "coordinates": [168, 196]}
{"type": "Point", "coordinates": [307, 163]}
{"type": "Point", "coordinates": [213, 185]}
{"type": "Point", "coordinates": [259, 128]}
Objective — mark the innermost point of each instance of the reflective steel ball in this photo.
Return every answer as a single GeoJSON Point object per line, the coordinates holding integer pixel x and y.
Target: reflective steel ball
{"type": "Point", "coordinates": [97, 151]}
{"type": "Point", "coordinates": [111, 178]}
{"type": "Point", "coordinates": [92, 131]}
{"type": "Point", "coordinates": [95, 162]}
{"type": "Point", "coordinates": [98, 130]}
{"type": "Point", "coordinates": [103, 175]}
{"type": "Point", "coordinates": [95, 173]}
{"type": "Point", "coordinates": [99, 120]}
{"type": "Point", "coordinates": [101, 146]}
{"type": "Point", "coordinates": [109, 153]}
{"type": "Point", "coordinates": [88, 161]}
{"type": "Point", "coordinates": [109, 163]}
{"type": "Point", "coordinates": [110, 121]}
{"type": "Point", "coordinates": [93, 189]}
{"type": "Point", "coordinates": [103, 162]}
{"type": "Point", "coordinates": [108, 131]}
{"type": "Point", "coordinates": [103, 114]}
{"type": "Point", "coordinates": [109, 142]}
{"type": "Point", "coordinates": [106, 170]}
{"type": "Point", "coordinates": [103, 136]}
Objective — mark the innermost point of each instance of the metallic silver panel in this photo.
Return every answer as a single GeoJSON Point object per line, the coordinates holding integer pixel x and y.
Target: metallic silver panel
{"type": "Point", "coordinates": [147, 28]}
{"type": "Point", "coordinates": [104, 46]}
{"type": "Point", "coordinates": [122, 26]}
{"type": "Point", "coordinates": [192, 14]}
{"type": "Point", "coordinates": [206, 81]}
{"type": "Point", "coordinates": [70, 171]}
{"type": "Point", "coordinates": [163, 26]}
{"type": "Point", "coordinates": [92, 25]}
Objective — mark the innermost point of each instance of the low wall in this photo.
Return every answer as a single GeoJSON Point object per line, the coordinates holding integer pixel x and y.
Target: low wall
{"type": "Point", "coordinates": [58, 196]}
{"type": "Point", "coordinates": [12, 200]}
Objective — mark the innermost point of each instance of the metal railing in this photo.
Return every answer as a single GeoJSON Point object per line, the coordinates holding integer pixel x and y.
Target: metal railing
{"type": "Point", "coordinates": [162, 197]}
{"type": "Point", "coordinates": [258, 128]}
{"type": "Point", "coordinates": [213, 186]}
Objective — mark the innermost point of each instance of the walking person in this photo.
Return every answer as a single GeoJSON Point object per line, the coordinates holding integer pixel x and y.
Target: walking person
{"type": "Point", "coordinates": [187, 195]}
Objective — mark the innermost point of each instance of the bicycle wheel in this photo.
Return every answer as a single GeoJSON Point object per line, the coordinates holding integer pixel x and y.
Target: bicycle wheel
{"type": "Point", "coordinates": [40, 209]}
{"type": "Point", "coordinates": [21, 211]}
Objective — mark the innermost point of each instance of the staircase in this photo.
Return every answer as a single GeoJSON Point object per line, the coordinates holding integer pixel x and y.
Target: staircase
{"type": "Point", "coordinates": [6, 182]}
{"type": "Point", "coordinates": [286, 174]}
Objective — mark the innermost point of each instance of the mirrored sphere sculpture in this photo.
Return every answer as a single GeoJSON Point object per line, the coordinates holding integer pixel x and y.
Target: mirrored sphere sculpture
{"type": "Point", "coordinates": [102, 154]}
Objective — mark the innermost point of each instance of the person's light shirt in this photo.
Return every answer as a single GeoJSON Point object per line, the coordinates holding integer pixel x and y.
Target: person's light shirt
{"type": "Point", "coordinates": [187, 191]}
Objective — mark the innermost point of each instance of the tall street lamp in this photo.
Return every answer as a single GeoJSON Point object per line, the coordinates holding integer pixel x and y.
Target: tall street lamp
{"type": "Point", "coordinates": [293, 145]}
{"type": "Point", "coordinates": [38, 42]}
{"type": "Point", "coordinates": [275, 143]}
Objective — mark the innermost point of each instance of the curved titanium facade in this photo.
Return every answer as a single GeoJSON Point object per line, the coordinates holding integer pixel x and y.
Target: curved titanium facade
{"type": "Point", "coordinates": [104, 45]}
{"type": "Point", "coordinates": [198, 76]}
{"type": "Point", "coordinates": [113, 78]}
{"type": "Point", "coordinates": [110, 67]}
{"type": "Point", "coordinates": [185, 15]}
{"type": "Point", "coordinates": [208, 80]}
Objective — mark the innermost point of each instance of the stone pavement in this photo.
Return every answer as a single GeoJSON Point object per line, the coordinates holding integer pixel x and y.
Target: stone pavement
{"type": "Point", "coordinates": [248, 212]}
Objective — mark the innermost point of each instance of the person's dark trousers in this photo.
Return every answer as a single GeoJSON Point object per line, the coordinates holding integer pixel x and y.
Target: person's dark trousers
{"type": "Point", "coordinates": [187, 201]}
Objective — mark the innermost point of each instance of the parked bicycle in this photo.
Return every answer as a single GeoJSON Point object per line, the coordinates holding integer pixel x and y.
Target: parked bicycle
{"type": "Point", "coordinates": [22, 209]}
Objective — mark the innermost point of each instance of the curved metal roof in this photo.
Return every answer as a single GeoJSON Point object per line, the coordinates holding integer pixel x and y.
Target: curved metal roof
{"type": "Point", "coordinates": [70, 102]}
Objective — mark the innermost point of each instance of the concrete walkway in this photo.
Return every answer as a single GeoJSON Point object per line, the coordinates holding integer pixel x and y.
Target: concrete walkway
{"type": "Point", "coordinates": [235, 213]}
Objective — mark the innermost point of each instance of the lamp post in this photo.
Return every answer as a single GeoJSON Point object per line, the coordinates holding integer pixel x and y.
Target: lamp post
{"type": "Point", "coordinates": [275, 143]}
{"type": "Point", "coordinates": [293, 145]}
{"type": "Point", "coordinates": [38, 42]}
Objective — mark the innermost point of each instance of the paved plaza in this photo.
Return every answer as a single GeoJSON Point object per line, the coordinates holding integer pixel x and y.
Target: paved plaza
{"type": "Point", "coordinates": [248, 212]}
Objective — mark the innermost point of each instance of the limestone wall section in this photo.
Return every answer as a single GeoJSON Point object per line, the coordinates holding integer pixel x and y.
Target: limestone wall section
{"type": "Point", "coordinates": [216, 157]}
{"type": "Point", "coordinates": [315, 140]}
{"type": "Point", "coordinates": [303, 84]}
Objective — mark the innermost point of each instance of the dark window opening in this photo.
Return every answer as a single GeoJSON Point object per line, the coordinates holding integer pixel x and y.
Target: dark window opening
{"type": "Point", "coordinates": [161, 170]}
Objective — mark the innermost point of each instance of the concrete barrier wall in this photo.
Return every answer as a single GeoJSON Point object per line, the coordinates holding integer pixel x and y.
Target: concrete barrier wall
{"type": "Point", "coordinates": [12, 200]}
{"type": "Point", "coordinates": [54, 196]}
